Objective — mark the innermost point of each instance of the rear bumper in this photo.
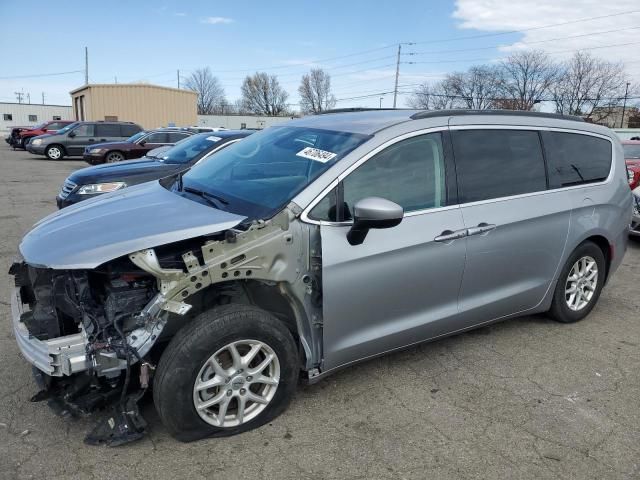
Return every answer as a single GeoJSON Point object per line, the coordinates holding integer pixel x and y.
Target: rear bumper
{"type": "Point", "coordinates": [55, 357]}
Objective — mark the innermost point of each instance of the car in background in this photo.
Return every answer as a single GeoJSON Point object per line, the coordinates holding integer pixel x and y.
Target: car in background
{"type": "Point", "coordinates": [162, 162]}
{"type": "Point", "coordinates": [20, 136]}
{"type": "Point", "coordinates": [634, 231]}
{"type": "Point", "coordinates": [206, 129]}
{"type": "Point", "coordinates": [632, 159]}
{"type": "Point", "coordinates": [134, 147]}
{"type": "Point", "coordinates": [71, 140]}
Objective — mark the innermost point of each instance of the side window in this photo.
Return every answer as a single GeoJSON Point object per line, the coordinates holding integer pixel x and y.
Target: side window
{"type": "Point", "coordinates": [85, 130]}
{"type": "Point", "coordinates": [108, 130]}
{"type": "Point", "coordinates": [410, 173]}
{"type": "Point", "coordinates": [498, 163]}
{"type": "Point", "coordinates": [158, 137]}
{"type": "Point", "coordinates": [573, 158]}
{"type": "Point", "coordinates": [326, 208]}
{"type": "Point", "coordinates": [54, 126]}
{"type": "Point", "coordinates": [175, 137]}
{"type": "Point", "coordinates": [129, 130]}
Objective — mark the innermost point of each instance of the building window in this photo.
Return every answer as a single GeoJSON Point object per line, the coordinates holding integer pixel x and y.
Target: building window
{"type": "Point", "coordinates": [7, 117]}
{"type": "Point", "coordinates": [33, 118]}
{"type": "Point", "coordinates": [243, 126]}
{"type": "Point", "coordinates": [57, 117]}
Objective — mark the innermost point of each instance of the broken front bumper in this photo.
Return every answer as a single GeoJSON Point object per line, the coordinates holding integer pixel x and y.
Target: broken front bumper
{"type": "Point", "coordinates": [57, 356]}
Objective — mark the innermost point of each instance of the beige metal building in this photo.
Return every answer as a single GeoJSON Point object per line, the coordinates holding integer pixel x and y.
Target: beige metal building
{"type": "Point", "coordinates": [150, 106]}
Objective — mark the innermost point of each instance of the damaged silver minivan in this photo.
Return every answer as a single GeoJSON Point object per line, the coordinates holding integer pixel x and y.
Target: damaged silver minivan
{"type": "Point", "coordinates": [310, 246]}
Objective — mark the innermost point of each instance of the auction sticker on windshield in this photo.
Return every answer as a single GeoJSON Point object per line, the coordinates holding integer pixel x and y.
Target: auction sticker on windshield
{"type": "Point", "coordinates": [214, 139]}
{"type": "Point", "coordinates": [316, 154]}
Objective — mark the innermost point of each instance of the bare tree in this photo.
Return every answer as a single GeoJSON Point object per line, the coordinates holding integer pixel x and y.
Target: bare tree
{"type": "Point", "coordinates": [210, 92]}
{"type": "Point", "coordinates": [436, 96]}
{"type": "Point", "coordinates": [477, 88]}
{"type": "Point", "coordinates": [527, 78]}
{"type": "Point", "coordinates": [262, 94]}
{"type": "Point", "coordinates": [589, 87]}
{"type": "Point", "coordinates": [315, 92]}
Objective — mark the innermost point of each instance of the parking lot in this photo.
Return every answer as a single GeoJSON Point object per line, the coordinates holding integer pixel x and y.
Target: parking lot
{"type": "Point", "coordinates": [527, 398]}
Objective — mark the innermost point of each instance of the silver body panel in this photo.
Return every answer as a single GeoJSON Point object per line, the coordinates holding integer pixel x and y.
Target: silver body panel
{"type": "Point", "coordinates": [98, 230]}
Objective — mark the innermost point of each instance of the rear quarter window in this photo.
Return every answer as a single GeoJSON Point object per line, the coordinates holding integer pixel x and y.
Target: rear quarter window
{"type": "Point", "coordinates": [108, 130]}
{"type": "Point", "coordinates": [574, 159]}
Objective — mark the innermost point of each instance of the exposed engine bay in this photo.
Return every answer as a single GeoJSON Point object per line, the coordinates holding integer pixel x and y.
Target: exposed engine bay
{"type": "Point", "coordinates": [94, 336]}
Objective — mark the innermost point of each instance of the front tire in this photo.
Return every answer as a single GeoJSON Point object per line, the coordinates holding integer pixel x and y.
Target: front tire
{"type": "Point", "coordinates": [114, 157]}
{"type": "Point", "coordinates": [54, 152]}
{"type": "Point", "coordinates": [24, 142]}
{"type": "Point", "coordinates": [579, 284]}
{"type": "Point", "coordinates": [230, 370]}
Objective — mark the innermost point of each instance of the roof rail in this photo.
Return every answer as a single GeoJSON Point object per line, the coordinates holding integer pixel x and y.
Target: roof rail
{"type": "Point", "coordinates": [514, 113]}
{"type": "Point", "coordinates": [358, 109]}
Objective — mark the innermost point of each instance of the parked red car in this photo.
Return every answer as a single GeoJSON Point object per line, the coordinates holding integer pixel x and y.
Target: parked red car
{"type": "Point", "coordinates": [632, 159]}
{"type": "Point", "coordinates": [20, 136]}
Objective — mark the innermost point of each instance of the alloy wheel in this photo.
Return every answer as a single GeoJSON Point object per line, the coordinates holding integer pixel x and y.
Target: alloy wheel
{"type": "Point", "coordinates": [54, 153]}
{"type": "Point", "coordinates": [581, 283]}
{"type": "Point", "coordinates": [236, 383]}
{"type": "Point", "coordinates": [114, 157]}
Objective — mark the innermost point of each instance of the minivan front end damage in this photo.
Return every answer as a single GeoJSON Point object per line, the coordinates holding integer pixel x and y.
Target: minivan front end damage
{"type": "Point", "coordinates": [93, 334]}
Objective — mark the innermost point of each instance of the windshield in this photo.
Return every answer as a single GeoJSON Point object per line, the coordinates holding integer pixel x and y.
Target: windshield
{"type": "Point", "coordinates": [631, 151]}
{"type": "Point", "coordinates": [187, 149]}
{"type": "Point", "coordinates": [135, 137]}
{"type": "Point", "coordinates": [67, 128]}
{"type": "Point", "coordinates": [261, 174]}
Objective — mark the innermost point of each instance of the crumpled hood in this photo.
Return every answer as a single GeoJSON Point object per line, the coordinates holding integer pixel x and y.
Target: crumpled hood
{"type": "Point", "coordinates": [93, 232]}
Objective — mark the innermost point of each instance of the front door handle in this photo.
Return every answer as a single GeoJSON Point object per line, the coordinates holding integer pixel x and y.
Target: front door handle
{"type": "Point", "coordinates": [481, 229]}
{"type": "Point", "coordinates": [450, 235]}
{"type": "Point", "coordinates": [103, 139]}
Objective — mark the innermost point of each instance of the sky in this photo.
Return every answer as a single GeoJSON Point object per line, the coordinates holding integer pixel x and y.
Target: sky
{"type": "Point", "coordinates": [355, 41]}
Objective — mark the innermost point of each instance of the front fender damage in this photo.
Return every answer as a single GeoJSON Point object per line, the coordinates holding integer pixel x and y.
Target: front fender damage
{"type": "Point", "coordinates": [122, 326]}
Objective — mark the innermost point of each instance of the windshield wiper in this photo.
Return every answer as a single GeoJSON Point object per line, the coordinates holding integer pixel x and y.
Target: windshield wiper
{"type": "Point", "coordinates": [208, 197]}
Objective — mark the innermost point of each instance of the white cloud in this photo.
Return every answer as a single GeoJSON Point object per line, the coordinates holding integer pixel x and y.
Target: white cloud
{"type": "Point", "coordinates": [180, 14]}
{"type": "Point", "coordinates": [509, 15]}
{"type": "Point", "coordinates": [217, 20]}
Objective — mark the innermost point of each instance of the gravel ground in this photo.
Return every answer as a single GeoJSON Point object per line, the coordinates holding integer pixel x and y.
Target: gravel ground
{"type": "Point", "coordinates": [527, 398]}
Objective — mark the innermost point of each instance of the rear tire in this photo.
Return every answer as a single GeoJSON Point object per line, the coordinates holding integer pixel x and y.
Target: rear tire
{"type": "Point", "coordinates": [579, 284]}
{"type": "Point", "coordinates": [54, 152]}
{"type": "Point", "coordinates": [201, 353]}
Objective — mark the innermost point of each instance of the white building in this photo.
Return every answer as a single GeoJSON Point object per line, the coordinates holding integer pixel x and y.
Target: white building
{"type": "Point", "coordinates": [31, 114]}
{"type": "Point", "coordinates": [237, 122]}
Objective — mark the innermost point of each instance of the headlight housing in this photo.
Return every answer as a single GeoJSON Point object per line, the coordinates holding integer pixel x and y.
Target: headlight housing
{"type": "Point", "coordinates": [36, 141]}
{"type": "Point", "coordinates": [97, 150]}
{"type": "Point", "coordinates": [97, 188]}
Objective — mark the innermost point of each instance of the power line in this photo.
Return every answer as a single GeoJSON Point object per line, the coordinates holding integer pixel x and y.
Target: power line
{"type": "Point", "coordinates": [575, 50]}
{"type": "Point", "coordinates": [509, 32]}
{"type": "Point", "coordinates": [37, 75]}
{"type": "Point", "coordinates": [520, 43]}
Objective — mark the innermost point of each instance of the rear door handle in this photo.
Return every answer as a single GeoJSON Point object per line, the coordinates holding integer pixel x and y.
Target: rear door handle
{"type": "Point", "coordinates": [481, 228]}
{"type": "Point", "coordinates": [450, 235]}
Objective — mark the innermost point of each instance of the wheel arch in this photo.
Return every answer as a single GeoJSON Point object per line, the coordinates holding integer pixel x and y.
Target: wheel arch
{"type": "Point", "coordinates": [272, 297]}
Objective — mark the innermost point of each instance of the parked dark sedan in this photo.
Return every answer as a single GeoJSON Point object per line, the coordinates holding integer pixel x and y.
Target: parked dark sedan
{"type": "Point", "coordinates": [89, 182]}
{"type": "Point", "coordinates": [135, 146]}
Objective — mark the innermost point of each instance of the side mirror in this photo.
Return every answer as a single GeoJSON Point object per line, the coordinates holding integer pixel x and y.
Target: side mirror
{"type": "Point", "coordinates": [72, 134]}
{"type": "Point", "coordinates": [373, 212]}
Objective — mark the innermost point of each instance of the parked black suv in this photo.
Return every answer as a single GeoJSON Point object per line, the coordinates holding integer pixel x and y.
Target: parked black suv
{"type": "Point", "coordinates": [72, 139]}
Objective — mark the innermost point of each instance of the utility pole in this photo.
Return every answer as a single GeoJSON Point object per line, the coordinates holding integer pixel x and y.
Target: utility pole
{"type": "Point", "coordinates": [43, 98]}
{"type": "Point", "coordinates": [624, 105]}
{"type": "Point", "coordinates": [86, 66]}
{"type": "Point", "coordinates": [29, 98]}
{"type": "Point", "coordinates": [395, 90]}
{"type": "Point", "coordinates": [380, 102]}
{"type": "Point", "coordinates": [19, 96]}
{"type": "Point", "coordinates": [178, 78]}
